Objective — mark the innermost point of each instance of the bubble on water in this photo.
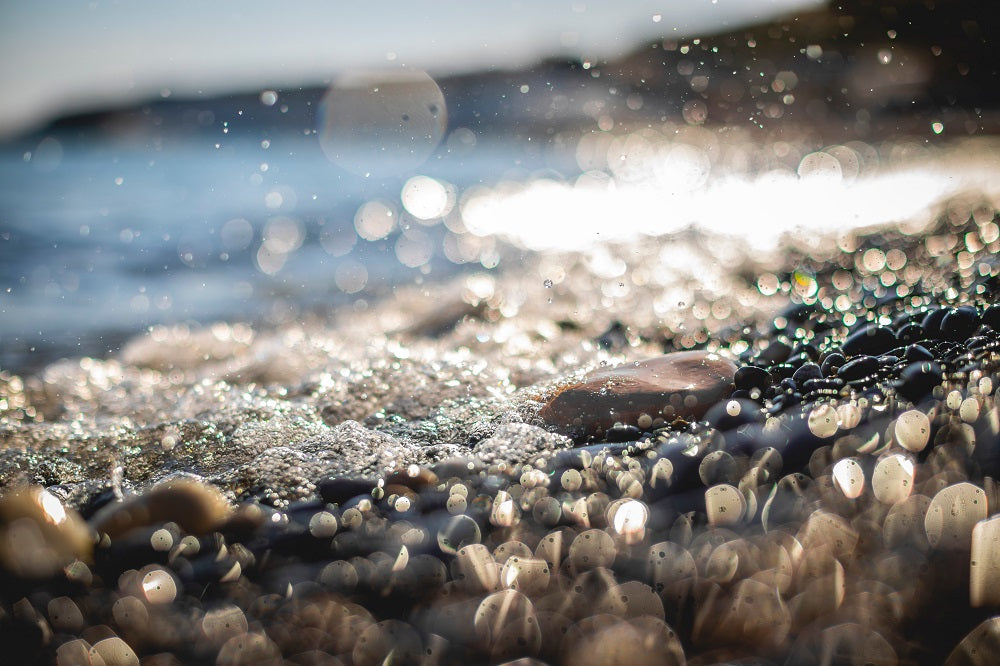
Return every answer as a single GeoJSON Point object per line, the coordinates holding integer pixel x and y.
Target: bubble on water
{"type": "Point", "coordinates": [628, 518]}
{"type": "Point", "coordinates": [828, 532]}
{"type": "Point", "coordinates": [725, 505]}
{"type": "Point", "coordinates": [339, 575]}
{"type": "Point", "coordinates": [456, 504]}
{"type": "Point", "coordinates": [849, 477]}
{"type": "Point", "coordinates": [820, 166]}
{"type": "Point", "coordinates": [547, 511]}
{"type": "Point", "coordinates": [269, 98]}
{"type": "Point", "coordinates": [592, 548]}
{"type": "Point", "coordinates": [459, 531]}
{"type": "Point", "coordinates": [375, 220]}
{"type": "Point", "coordinates": [984, 583]}
{"type": "Point", "coordinates": [980, 647]}
{"type": "Point", "coordinates": [571, 480]}
{"type": "Point", "coordinates": [823, 421]}
{"type": "Point", "coordinates": [221, 624]}
{"type": "Point", "coordinates": [528, 574]}
{"type": "Point", "coordinates": [389, 641]}
{"type": "Point", "coordinates": [130, 613]}
{"type": "Point", "coordinates": [952, 514]}
{"type": "Point", "coordinates": [351, 276]}
{"type": "Point", "coordinates": [718, 467]}
{"type": "Point", "coordinates": [510, 549]}
{"type": "Point", "coordinates": [426, 198]}
{"type": "Point", "coordinates": [159, 587]}
{"type": "Point", "coordinates": [475, 569]}
{"type": "Point", "coordinates": [323, 524]}
{"type": "Point", "coordinates": [381, 123]}
{"type": "Point", "coordinates": [113, 652]}
{"type": "Point", "coordinates": [65, 615]}
{"type": "Point", "coordinates": [913, 430]}
{"type": "Point", "coordinates": [892, 479]}
{"type": "Point", "coordinates": [73, 653]}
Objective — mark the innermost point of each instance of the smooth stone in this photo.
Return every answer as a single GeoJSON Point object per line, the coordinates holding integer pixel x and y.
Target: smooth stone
{"type": "Point", "coordinates": [832, 362]}
{"type": "Point", "coordinates": [679, 385]}
{"type": "Point", "coordinates": [910, 333]}
{"type": "Point", "coordinates": [872, 340]}
{"type": "Point", "coordinates": [960, 323]}
{"type": "Point", "coordinates": [932, 322]}
{"type": "Point", "coordinates": [750, 377]}
{"type": "Point", "coordinates": [916, 353]}
{"type": "Point", "coordinates": [337, 490]}
{"type": "Point", "coordinates": [919, 379]}
{"type": "Point", "coordinates": [38, 535]}
{"type": "Point", "coordinates": [806, 372]}
{"type": "Point", "coordinates": [198, 508]}
{"type": "Point", "coordinates": [991, 317]}
{"type": "Point", "coordinates": [858, 368]}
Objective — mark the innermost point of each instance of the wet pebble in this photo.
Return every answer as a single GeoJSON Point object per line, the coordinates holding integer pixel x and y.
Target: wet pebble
{"type": "Point", "coordinates": [196, 507]}
{"type": "Point", "coordinates": [870, 339]}
{"type": "Point", "coordinates": [679, 385]}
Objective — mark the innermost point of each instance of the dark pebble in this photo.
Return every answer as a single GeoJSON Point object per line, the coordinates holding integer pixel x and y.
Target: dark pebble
{"type": "Point", "coordinates": [919, 379]}
{"type": "Point", "coordinates": [932, 322]}
{"type": "Point", "coordinates": [916, 353]}
{"type": "Point", "coordinates": [788, 385]}
{"type": "Point", "coordinates": [806, 372]}
{"type": "Point", "coordinates": [911, 333]}
{"type": "Point", "coordinates": [832, 362]}
{"type": "Point", "coordinates": [339, 490]}
{"type": "Point", "coordinates": [871, 340]}
{"type": "Point", "coordinates": [960, 323]}
{"type": "Point", "coordinates": [782, 371]}
{"type": "Point", "coordinates": [622, 433]}
{"type": "Point", "coordinates": [858, 368]}
{"type": "Point", "coordinates": [827, 384]}
{"type": "Point", "coordinates": [991, 317]}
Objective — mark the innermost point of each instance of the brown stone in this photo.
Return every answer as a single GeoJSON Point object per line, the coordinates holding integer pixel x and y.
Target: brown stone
{"type": "Point", "coordinates": [38, 535]}
{"type": "Point", "coordinates": [679, 385]}
{"type": "Point", "coordinates": [198, 508]}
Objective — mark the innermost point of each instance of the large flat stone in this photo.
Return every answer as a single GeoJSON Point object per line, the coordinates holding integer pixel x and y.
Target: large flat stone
{"type": "Point", "coordinates": [679, 385]}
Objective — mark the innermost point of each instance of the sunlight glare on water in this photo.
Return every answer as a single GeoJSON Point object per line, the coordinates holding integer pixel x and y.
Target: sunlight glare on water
{"type": "Point", "coordinates": [656, 190]}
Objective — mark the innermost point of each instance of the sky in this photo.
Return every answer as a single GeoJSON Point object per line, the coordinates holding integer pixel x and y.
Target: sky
{"type": "Point", "coordinates": [62, 56]}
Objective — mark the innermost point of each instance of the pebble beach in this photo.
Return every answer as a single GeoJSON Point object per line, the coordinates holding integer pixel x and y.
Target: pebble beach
{"type": "Point", "coordinates": [665, 450]}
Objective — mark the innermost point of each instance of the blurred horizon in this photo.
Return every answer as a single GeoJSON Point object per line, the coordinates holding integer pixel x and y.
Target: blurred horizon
{"type": "Point", "coordinates": [65, 58]}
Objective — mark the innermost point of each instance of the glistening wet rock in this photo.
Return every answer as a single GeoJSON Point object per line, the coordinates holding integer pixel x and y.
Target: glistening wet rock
{"type": "Point", "coordinates": [680, 385]}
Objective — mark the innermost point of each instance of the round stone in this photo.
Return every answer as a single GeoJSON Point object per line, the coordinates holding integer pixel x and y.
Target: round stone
{"type": "Point", "coordinates": [678, 385]}
{"type": "Point", "coordinates": [198, 508]}
{"type": "Point", "coordinates": [38, 535]}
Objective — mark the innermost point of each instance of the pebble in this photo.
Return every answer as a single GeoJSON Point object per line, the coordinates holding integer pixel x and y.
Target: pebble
{"type": "Point", "coordinates": [750, 377]}
{"type": "Point", "coordinates": [198, 508]}
{"type": "Point", "coordinates": [919, 379]}
{"type": "Point", "coordinates": [960, 323]}
{"type": "Point", "coordinates": [38, 535]}
{"type": "Point", "coordinates": [871, 339]}
{"type": "Point", "coordinates": [858, 368]}
{"type": "Point", "coordinates": [678, 385]}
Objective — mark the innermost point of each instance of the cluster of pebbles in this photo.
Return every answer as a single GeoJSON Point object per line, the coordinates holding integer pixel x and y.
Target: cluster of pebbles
{"type": "Point", "coordinates": [813, 482]}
